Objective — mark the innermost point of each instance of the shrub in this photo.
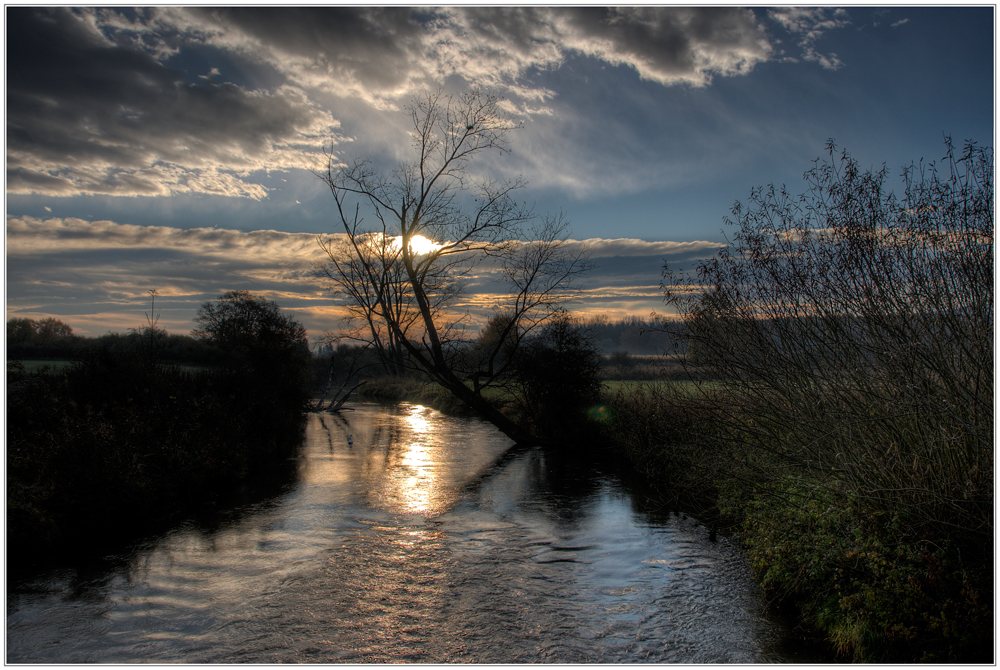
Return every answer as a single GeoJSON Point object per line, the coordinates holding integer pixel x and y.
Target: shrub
{"type": "Point", "coordinates": [852, 337]}
{"type": "Point", "coordinates": [875, 594]}
{"type": "Point", "coordinates": [255, 336]}
{"type": "Point", "coordinates": [855, 335]}
{"type": "Point", "coordinates": [557, 376]}
{"type": "Point", "coordinates": [110, 445]}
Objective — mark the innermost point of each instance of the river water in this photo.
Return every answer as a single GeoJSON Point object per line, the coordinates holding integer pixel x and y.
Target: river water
{"type": "Point", "coordinates": [409, 536]}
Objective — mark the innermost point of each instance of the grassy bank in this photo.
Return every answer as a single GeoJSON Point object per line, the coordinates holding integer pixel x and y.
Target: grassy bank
{"type": "Point", "coordinates": [399, 389]}
{"type": "Point", "coordinates": [875, 583]}
{"type": "Point", "coordinates": [106, 448]}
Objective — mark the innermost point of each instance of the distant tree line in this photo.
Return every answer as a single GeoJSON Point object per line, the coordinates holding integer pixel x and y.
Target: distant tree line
{"type": "Point", "coordinates": [51, 339]}
{"type": "Point", "coordinates": [634, 335]}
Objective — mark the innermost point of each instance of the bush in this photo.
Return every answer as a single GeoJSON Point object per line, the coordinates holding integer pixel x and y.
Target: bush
{"type": "Point", "coordinates": [120, 438]}
{"type": "Point", "coordinates": [851, 427]}
{"type": "Point", "coordinates": [855, 335]}
{"type": "Point", "coordinates": [109, 445]}
{"type": "Point", "coordinates": [874, 594]}
{"type": "Point", "coordinates": [557, 377]}
{"type": "Point", "coordinates": [253, 335]}
{"type": "Point", "coordinates": [862, 582]}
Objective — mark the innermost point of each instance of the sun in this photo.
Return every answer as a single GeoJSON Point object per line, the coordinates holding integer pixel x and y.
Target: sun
{"type": "Point", "coordinates": [419, 244]}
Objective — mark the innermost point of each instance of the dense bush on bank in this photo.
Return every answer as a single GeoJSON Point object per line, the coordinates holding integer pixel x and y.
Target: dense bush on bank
{"type": "Point", "coordinates": [119, 441]}
{"type": "Point", "coordinates": [867, 584]}
{"type": "Point", "coordinates": [104, 447]}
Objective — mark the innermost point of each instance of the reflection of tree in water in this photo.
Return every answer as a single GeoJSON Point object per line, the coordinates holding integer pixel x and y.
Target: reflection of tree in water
{"type": "Point", "coordinates": [343, 427]}
{"type": "Point", "coordinates": [657, 504]}
{"type": "Point", "coordinates": [326, 429]}
{"type": "Point", "coordinates": [563, 479]}
{"type": "Point", "coordinates": [90, 571]}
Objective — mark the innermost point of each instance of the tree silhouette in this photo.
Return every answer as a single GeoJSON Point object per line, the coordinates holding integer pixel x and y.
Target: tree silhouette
{"type": "Point", "coordinates": [432, 222]}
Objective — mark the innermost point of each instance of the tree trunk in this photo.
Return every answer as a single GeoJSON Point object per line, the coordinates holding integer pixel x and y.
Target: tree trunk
{"type": "Point", "coordinates": [487, 411]}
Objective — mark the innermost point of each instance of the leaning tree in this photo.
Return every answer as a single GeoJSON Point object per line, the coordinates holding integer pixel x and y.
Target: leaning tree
{"type": "Point", "coordinates": [414, 233]}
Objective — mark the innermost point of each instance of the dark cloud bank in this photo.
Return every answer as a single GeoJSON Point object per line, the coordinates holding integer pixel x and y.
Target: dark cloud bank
{"type": "Point", "coordinates": [105, 101]}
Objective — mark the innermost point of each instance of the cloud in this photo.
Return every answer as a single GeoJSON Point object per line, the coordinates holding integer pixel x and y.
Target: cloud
{"type": "Point", "coordinates": [86, 115]}
{"type": "Point", "coordinates": [668, 45]}
{"type": "Point", "coordinates": [600, 247]}
{"type": "Point", "coordinates": [160, 101]}
{"type": "Point", "coordinates": [809, 24]}
{"type": "Point", "coordinates": [385, 54]}
{"type": "Point", "coordinates": [95, 275]}
{"type": "Point", "coordinates": [373, 53]}
{"type": "Point", "coordinates": [60, 266]}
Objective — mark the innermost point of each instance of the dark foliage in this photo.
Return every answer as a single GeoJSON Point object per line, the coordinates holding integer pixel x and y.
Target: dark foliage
{"type": "Point", "coordinates": [46, 338]}
{"type": "Point", "coordinates": [248, 325]}
{"type": "Point", "coordinates": [121, 441]}
{"type": "Point", "coordinates": [558, 375]}
{"type": "Point", "coordinates": [168, 348]}
{"type": "Point", "coordinates": [254, 336]}
{"type": "Point", "coordinates": [111, 445]}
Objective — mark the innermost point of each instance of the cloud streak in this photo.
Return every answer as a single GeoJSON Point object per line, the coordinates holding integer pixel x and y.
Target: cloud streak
{"type": "Point", "coordinates": [96, 274]}
{"type": "Point", "coordinates": [809, 24]}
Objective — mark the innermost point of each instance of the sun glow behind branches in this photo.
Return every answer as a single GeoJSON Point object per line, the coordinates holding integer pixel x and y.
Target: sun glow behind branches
{"type": "Point", "coordinates": [419, 245]}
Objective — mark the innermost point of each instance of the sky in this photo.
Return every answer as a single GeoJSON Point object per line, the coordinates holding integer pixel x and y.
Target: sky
{"type": "Point", "coordinates": [174, 148]}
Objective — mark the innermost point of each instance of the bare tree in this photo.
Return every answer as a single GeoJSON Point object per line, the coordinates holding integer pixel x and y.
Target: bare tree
{"type": "Point", "coordinates": [431, 223]}
{"type": "Point", "coordinates": [367, 297]}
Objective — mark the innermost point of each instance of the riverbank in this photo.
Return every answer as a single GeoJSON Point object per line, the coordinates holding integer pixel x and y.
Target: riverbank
{"type": "Point", "coordinates": [870, 587]}
{"type": "Point", "coordinates": [875, 587]}
{"type": "Point", "coordinates": [103, 450]}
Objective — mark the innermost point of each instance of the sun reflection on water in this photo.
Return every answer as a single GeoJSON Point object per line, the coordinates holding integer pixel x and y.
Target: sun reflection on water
{"type": "Point", "coordinates": [419, 419]}
{"type": "Point", "coordinates": [419, 486]}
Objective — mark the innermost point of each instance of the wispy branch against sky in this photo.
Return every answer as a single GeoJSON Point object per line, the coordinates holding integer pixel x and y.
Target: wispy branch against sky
{"type": "Point", "coordinates": [127, 128]}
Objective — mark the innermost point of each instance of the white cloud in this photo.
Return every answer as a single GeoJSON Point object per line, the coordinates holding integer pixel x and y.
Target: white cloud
{"type": "Point", "coordinates": [809, 24]}
{"type": "Point", "coordinates": [603, 248]}
{"type": "Point", "coordinates": [85, 116]}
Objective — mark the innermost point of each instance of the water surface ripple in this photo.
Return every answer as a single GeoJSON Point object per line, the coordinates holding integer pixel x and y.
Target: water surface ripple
{"type": "Point", "coordinates": [415, 541]}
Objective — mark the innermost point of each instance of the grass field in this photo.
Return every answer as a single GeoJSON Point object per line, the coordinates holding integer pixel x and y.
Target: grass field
{"type": "Point", "coordinates": [613, 386]}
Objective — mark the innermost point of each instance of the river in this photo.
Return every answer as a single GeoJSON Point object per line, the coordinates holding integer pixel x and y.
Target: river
{"type": "Point", "coordinates": [408, 536]}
